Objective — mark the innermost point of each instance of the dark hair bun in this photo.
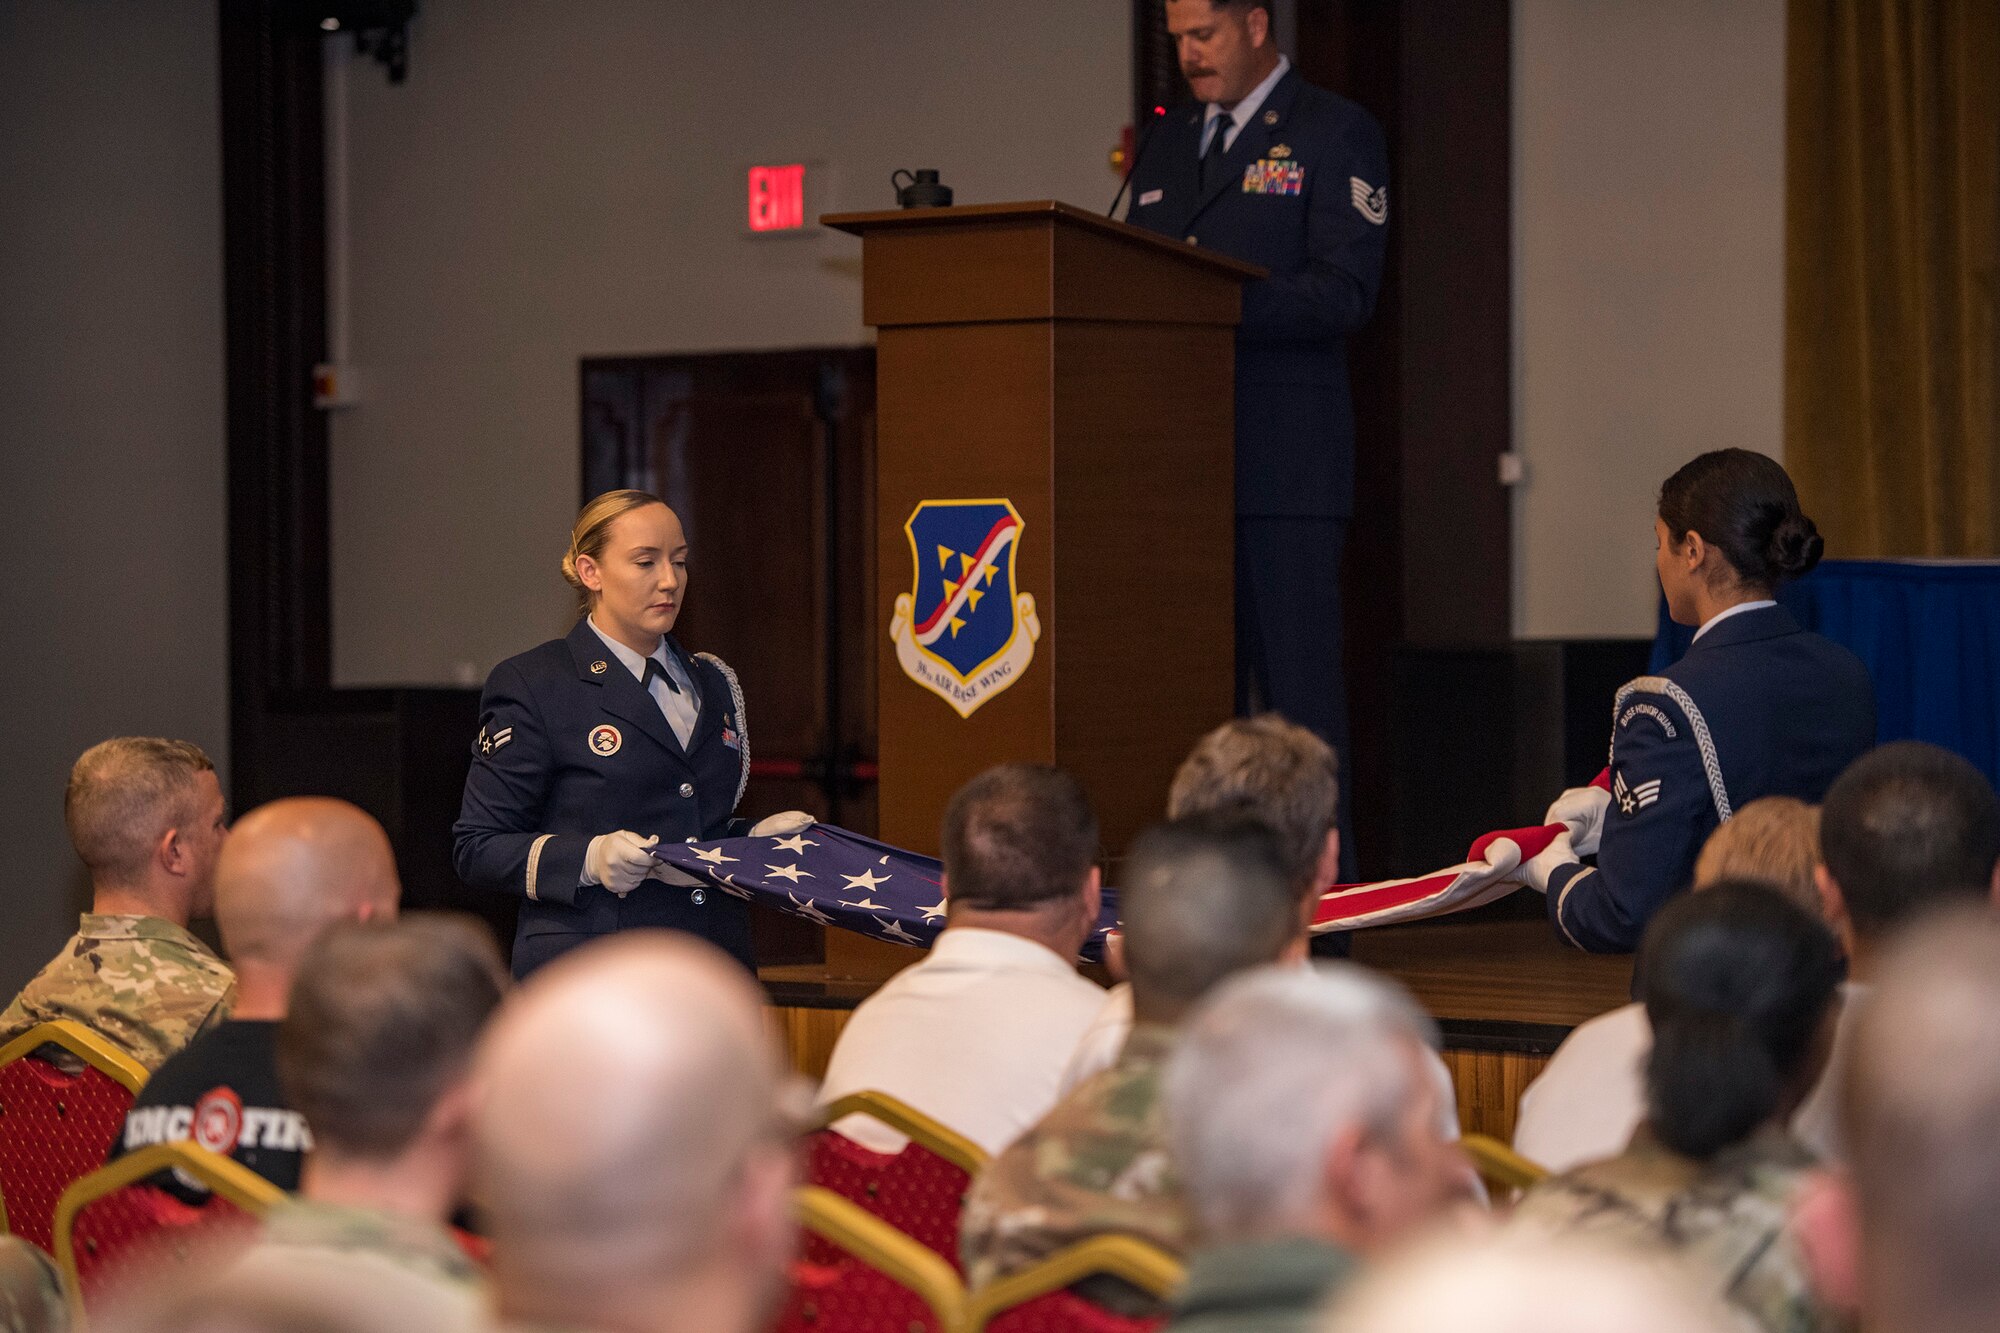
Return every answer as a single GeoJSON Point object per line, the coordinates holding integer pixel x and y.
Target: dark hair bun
{"type": "Point", "coordinates": [1796, 546]}
{"type": "Point", "coordinates": [1744, 505]}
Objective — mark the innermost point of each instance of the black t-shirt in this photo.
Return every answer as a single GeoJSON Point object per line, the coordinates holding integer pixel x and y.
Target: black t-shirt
{"type": "Point", "coordinates": [222, 1092]}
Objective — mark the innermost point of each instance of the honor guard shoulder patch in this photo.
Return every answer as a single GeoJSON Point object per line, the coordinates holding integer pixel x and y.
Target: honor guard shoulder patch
{"type": "Point", "coordinates": [605, 740]}
{"type": "Point", "coordinates": [1648, 711]}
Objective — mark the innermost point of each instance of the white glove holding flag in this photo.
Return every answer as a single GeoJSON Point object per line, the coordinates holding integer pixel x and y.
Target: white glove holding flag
{"type": "Point", "coordinates": [782, 825]}
{"type": "Point", "coordinates": [675, 876]}
{"type": "Point", "coordinates": [619, 861]}
{"type": "Point", "coordinates": [1581, 811]}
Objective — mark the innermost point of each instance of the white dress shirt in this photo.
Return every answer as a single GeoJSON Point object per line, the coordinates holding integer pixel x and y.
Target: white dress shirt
{"type": "Point", "coordinates": [1113, 1023]}
{"type": "Point", "coordinates": [1590, 1096]}
{"type": "Point", "coordinates": [1239, 115]}
{"type": "Point", "coordinates": [1584, 1106]}
{"type": "Point", "coordinates": [683, 709]}
{"type": "Point", "coordinates": [974, 1036]}
{"type": "Point", "coordinates": [1721, 616]}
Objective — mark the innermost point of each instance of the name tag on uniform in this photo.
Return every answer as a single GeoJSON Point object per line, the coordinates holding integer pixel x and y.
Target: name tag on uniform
{"type": "Point", "coordinates": [1274, 176]}
{"type": "Point", "coordinates": [1151, 197]}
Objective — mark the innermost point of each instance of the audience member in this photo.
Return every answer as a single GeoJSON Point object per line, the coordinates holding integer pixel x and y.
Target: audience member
{"type": "Point", "coordinates": [1285, 776]}
{"type": "Point", "coordinates": [1021, 894]}
{"type": "Point", "coordinates": [375, 1054]}
{"type": "Point", "coordinates": [1303, 1121]}
{"type": "Point", "coordinates": [1204, 898]}
{"type": "Point", "coordinates": [631, 1154]}
{"type": "Point", "coordinates": [296, 1294]}
{"type": "Point", "coordinates": [1510, 1283]}
{"type": "Point", "coordinates": [31, 1294]}
{"type": "Point", "coordinates": [1586, 1102]}
{"type": "Point", "coordinates": [1907, 1235]}
{"type": "Point", "coordinates": [289, 870]}
{"type": "Point", "coordinates": [147, 818]}
{"type": "Point", "coordinates": [1907, 829]}
{"type": "Point", "coordinates": [1741, 987]}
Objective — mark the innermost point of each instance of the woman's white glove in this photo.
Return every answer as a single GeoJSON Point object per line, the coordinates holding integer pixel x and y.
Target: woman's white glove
{"type": "Point", "coordinates": [781, 825]}
{"type": "Point", "coordinates": [619, 861]}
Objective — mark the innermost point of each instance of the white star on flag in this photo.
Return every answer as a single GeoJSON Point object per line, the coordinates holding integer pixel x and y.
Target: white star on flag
{"type": "Point", "coordinates": [893, 930]}
{"type": "Point", "coordinates": [729, 886]}
{"type": "Point", "coordinates": [866, 904]}
{"type": "Point", "coordinates": [792, 873]}
{"type": "Point", "coordinates": [810, 912]}
{"type": "Point", "coordinates": [796, 844]}
{"type": "Point", "coordinates": [866, 880]}
{"type": "Point", "coordinates": [713, 855]}
{"type": "Point", "coordinates": [934, 911]}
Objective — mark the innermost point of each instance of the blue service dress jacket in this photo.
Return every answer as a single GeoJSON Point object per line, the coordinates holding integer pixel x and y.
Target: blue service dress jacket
{"type": "Point", "coordinates": [1757, 707]}
{"type": "Point", "coordinates": [1303, 192]}
{"type": "Point", "coordinates": [570, 745]}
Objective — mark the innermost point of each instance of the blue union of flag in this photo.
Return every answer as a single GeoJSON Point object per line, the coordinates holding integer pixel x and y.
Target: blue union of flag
{"type": "Point", "coordinates": [964, 631]}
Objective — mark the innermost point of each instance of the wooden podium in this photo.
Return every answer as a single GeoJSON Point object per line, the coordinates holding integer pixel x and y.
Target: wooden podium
{"type": "Point", "coordinates": [1054, 499]}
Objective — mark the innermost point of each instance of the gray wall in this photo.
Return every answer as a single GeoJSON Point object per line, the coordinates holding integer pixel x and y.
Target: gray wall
{"type": "Point", "coordinates": [1648, 280]}
{"type": "Point", "coordinates": [110, 415]}
{"type": "Point", "coordinates": [558, 181]}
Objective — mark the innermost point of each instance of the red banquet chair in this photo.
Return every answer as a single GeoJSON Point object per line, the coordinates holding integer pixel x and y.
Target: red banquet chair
{"type": "Point", "coordinates": [875, 1280]}
{"type": "Point", "coordinates": [55, 1126]}
{"type": "Point", "coordinates": [112, 1224]}
{"type": "Point", "coordinates": [1038, 1299]}
{"type": "Point", "coordinates": [920, 1191]}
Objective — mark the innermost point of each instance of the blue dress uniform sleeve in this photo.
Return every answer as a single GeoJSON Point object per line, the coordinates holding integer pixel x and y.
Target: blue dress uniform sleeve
{"type": "Point", "coordinates": [1663, 808]}
{"type": "Point", "coordinates": [497, 841]}
{"type": "Point", "coordinates": [1345, 239]}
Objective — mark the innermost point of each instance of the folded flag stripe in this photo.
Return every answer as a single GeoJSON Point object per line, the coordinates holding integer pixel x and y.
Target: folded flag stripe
{"type": "Point", "coordinates": [837, 878]}
{"type": "Point", "coordinates": [1483, 877]}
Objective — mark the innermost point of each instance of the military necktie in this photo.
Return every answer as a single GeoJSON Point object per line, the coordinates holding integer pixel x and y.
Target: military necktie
{"type": "Point", "coordinates": [679, 707]}
{"type": "Point", "coordinates": [1211, 161]}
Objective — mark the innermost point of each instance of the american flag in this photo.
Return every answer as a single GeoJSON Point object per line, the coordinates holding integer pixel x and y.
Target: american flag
{"type": "Point", "coordinates": [837, 878]}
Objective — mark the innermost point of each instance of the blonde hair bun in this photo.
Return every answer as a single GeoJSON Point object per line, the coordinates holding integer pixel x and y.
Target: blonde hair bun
{"type": "Point", "coordinates": [591, 532]}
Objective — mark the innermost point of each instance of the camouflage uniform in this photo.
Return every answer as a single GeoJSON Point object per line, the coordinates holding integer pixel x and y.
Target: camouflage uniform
{"type": "Point", "coordinates": [417, 1255]}
{"type": "Point", "coordinates": [31, 1295]}
{"type": "Point", "coordinates": [142, 983]}
{"type": "Point", "coordinates": [1728, 1217]}
{"type": "Point", "coordinates": [1097, 1163]}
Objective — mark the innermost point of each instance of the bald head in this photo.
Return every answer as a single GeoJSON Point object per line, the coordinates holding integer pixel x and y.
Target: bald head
{"type": "Point", "coordinates": [291, 868]}
{"type": "Point", "coordinates": [627, 1108]}
{"type": "Point", "coordinates": [1514, 1283]}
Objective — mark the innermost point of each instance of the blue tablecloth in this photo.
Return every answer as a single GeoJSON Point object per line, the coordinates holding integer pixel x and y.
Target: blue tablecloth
{"type": "Point", "coordinates": [1929, 632]}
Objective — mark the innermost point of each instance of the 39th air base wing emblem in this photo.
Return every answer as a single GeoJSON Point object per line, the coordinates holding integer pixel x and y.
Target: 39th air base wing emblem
{"type": "Point", "coordinates": [964, 631]}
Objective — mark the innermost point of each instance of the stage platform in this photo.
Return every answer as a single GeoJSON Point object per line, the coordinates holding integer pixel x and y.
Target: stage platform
{"type": "Point", "coordinates": [1505, 993]}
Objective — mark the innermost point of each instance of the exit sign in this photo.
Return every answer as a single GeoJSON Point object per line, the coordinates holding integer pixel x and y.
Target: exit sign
{"type": "Point", "coordinates": [777, 197]}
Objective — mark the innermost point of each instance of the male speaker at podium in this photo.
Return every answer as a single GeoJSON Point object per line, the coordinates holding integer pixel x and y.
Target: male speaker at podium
{"type": "Point", "coordinates": [1271, 170]}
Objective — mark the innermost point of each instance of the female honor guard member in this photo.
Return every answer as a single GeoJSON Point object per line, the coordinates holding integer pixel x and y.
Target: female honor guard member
{"type": "Point", "coordinates": [1757, 707]}
{"type": "Point", "coordinates": [594, 747]}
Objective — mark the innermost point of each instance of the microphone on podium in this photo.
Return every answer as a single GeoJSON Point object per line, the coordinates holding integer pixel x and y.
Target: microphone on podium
{"type": "Point", "coordinates": [1138, 149]}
